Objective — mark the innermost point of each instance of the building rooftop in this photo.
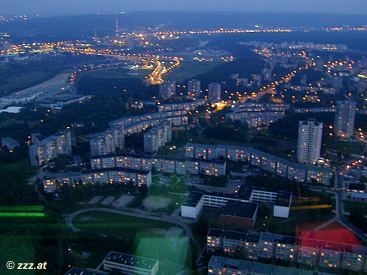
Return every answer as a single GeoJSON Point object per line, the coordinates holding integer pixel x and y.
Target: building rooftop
{"type": "Point", "coordinates": [130, 260]}
{"type": "Point", "coordinates": [235, 235]}
{"type": "Point", "coordinates": [193, 198]}
{"type": "Point", "coordinates": [117, 169]}
{"type": "Point", "coordinates": [240, 209]}
{"type": "Point", "coordinates": [283, 196]}
{"type": "Point", "coordinates": [251, 267]}
{"type": "Point", "coordinates": [255, 152]}
{"type": "Point", "coordinates": [82, 271]}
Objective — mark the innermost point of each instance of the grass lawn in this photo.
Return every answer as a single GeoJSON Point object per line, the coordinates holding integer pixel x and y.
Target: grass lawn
{"type": "Point", "coordinates": [147, 237]}
{"type": "Point", "coordinates": [22, 165]}
{"type": "Point", "coordinates": [24, 80]}
{"type": "Point", "coordinates": [172, 254]}
{"type": "Point", "coordinates": [117, 72]}
{"type": "Point", "coordinates": [115, 225]}
{"type": "Point", "coordinates": [352, 205]}
{"type": "Point", "coordinates": [190, 69]}
{"type": "Point", "coordinates": [347, 147]}
{"type": "Point", "coordinates": [17, 249]}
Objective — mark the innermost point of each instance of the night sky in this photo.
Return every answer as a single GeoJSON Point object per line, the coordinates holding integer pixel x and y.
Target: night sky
{"type": "Point", "coordinates": [53, 7]}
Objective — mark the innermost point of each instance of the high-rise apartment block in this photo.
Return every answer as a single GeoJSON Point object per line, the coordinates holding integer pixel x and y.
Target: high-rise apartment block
{"type": "Point", "coordinates": [157, 136]}
{"type": "Point", "coordinates": [344, 118]}
{"type": "Point", "coordinates": [309, 141]}
{"type": "Point", "coordinates": [107, 142]}
{"type": "Point", "coordinates": [194, 88]}
{"type": "Point", "coordinates": [214, 92]}
{"type": "Point", "coordinates": [167, 89]}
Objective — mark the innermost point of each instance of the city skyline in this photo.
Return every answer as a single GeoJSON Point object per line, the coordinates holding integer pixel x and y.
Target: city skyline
{"type": "Point", "coordinates": [53, 7]}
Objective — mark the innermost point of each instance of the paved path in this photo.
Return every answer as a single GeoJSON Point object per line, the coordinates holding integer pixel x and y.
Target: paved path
{"type": "Point", "coordinates": [134, 213]}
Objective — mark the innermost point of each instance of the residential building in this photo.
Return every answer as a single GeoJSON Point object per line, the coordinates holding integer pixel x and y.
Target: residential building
{"type": "Point", "coordinates": [273, 164]}
{"type": "Point", "coordinates": [112, 140]}
{"type": "Point", "coordinates": [287, 249]}
{"type": "Point", "coordinates": [257, 115]}
{"type": "Point", "coordinates": [161, 164]}
{"type": "Point", "coordinates": [309, 141]}
{"type": "Point", "coordinates": [344, 118]}
{"type": "Point", "coordinates": [188, 106]}
{"type": "Point", "coordinates": [107, 142]}
{"type": "Point", "coordinates": [157, 137]}
{"type": "Point", "coordinates": [52, 182]}
{"type": "Point", "coordinates": [194, 88]}
{"type": "Point", "coordinates": [49, 148]}
{"type": "Point", "coordinates": [167, 89]}
{"type": "Point", "coordinates": [229, 266]}
{"type": "Point", "coordinates": [214, 92]}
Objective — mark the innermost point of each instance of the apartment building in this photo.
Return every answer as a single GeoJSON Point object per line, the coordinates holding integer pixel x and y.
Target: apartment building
{"type": "Point", "coordinates": [111, 140]}
{"type": "Point", "coordinates": [188, 106]}
{"type": "Point", "coordinates": [258, 115]}
{"type": "Point", "coordinates": [309, 141]}
{"type": "Point", "coordinates": [229, 266]}
{"type": "Point", "coordinates": [157, 137]}
{"type": "Point", "coordinates": [193, 88]}
{"type": "Point", "coordinates": [161, 164]}
{"type": "Point", "coordinates": [52, 182]}
{"type": "Point", "coordinates": [345, 112]}
{"type": "Point", "coordinates": [47, 149]}
{"type": "Point", "coordinates": [280, 166]}
{"type": "Point", "coordinates": [309, 252]}
{"type": "Point", "coordinates": [214, 92]}
{"type": "Point", "coordinates": [107, 142]}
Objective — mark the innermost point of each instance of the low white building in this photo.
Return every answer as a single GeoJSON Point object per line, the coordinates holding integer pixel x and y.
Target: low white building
{"type": "Point", "coordinates": [130, 264]}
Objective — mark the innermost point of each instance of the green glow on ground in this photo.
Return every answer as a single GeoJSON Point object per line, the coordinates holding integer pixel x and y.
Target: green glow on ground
{"type": "Point", "coordinates": [22, 214]}
{"type": "Point", "coordinates": [22, 208]}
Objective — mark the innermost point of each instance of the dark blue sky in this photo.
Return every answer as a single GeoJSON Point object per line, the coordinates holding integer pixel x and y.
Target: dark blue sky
{"type": "Point", "coordinates": [50, 7]}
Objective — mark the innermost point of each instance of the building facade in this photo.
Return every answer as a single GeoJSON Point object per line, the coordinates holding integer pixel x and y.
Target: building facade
{"type": "Point", "coordinates": [214, 92]}
{"type": "Point", "coordinates": [280, 166]}
{"type": "Point", "coordinates": [111, 140]}
{"type": "Point", "coordinates": [309, 141]}
{"type": "Point", "coordinates": [167, 89]}
{"type": "Point", "coordinates": [97, 176]}
{"type": "Point", "coordinates": [345, 112]}
{"type": "Point", "coordinates": [161, 164]}
{"type": "Point", "coordinates": [269, 246]}
{"type": "Point", "coordinates": [194, 88]}
{"type": "Point", "coordinates": [49, 148]}
{"type": "Point", "coordinates": [157, 137]}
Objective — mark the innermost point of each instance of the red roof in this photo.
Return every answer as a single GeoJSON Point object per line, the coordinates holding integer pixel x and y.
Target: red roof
{"type": "Point", "coordinates": [334, 236]}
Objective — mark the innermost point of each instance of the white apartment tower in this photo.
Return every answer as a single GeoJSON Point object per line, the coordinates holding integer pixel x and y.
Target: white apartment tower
{"type": "Point", "coordinates": [309, 141]}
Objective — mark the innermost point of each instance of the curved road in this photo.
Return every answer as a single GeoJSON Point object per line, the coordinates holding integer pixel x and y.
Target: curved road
{"type": "Point", "coordinates": [134, 213]}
